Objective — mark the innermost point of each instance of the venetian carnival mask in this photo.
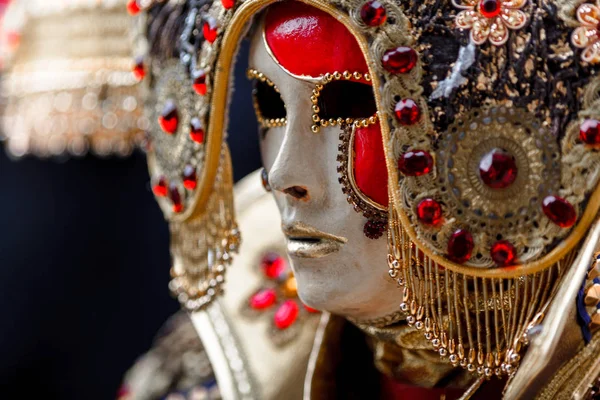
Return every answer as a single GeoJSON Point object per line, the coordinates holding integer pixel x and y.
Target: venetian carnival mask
{"type": "Point", "coordinates": [486, 112]}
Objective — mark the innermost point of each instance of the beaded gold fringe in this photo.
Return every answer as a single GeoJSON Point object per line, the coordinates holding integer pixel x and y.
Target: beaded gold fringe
{"type": "Point", "coordinates": [480, 324]}
{"type": "Point", "coordinates": [202, 247]}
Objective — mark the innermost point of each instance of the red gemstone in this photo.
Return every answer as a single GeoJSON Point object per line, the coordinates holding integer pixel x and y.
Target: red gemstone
{"type": "Point", "coordinates": [498, 169]}
{"type": "Point", "coordinates": [189, 177]}
{"type": "Point", "coordinates": [490, 8]}
{"type": "Point", "coordinates": [263, 299]}
{"type": "Point", "coordinates": [139, 69]}
{"type": "Point", "coordinates": [429, 212]}
{"type": "Point", "coordinates": [286, 314]}
{"type": "Point", "coordinates": [200, 82]}
{"type": "Point", "coordinates": [559, 211]}
{"type": "Point", "coordinates": [399, 60]}
{"type": "Point", "coordinates": [210, 29]}
{"type": "Point", "coordinates": [460, 246]}
{"type": "Point", "coordinates": [175, 197]}
{"type": "Point", "coordinates": [407, 112]}
{"type": "Point", "coordinates": [169, 119]}
{"type": "Point", "coordinates": [589, 132]}
{"type": "Point", "coordinates": [273, 265]}
{"type": "Point", "coordinates": [415, 163]}
{"type": "Point", "coordinates": [227, 4]}
{"type": "Point", "coordinates": [133, 8]}
{"type": "Point", "coordinates": [196, 131]}
{"type": "Point", "coordinates": [160, 187]}
{"type": "Point", "coordinates": [373, 13]}
{"type": "Point", "coordinates": [503, 253]}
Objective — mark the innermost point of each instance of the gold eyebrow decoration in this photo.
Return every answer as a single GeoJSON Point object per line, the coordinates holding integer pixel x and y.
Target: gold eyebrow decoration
{"type": "Point", "coordinates": [253, 74]}
{"type": "Point", "coordinates": [316, 93]}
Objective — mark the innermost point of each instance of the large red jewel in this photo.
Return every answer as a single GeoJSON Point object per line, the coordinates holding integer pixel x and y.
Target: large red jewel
{"type": "Point", "coordinates": [199, 83]}
{"type": "Point", "coordinates": [286, 314]}
{"type": "Point", "coordinates": [559, 211]}
{"type": "Point", "coordinates": [373, 13]}
{"type": "Point", "coordinates": [263, 299]}
{"type": "Point", "coordinates": [460, 246]}
{"type": "Point", "coordinates": [415, 163]}
{"type": "Point", "coordinates": [175, 197]}
{"type": "Point", "coordinates": [228, 4]}
{"type": "Point", "coordinates": [139, 69]}
{"type": "Point", "coordinates": [160, 187]}
{"type": "Point", "coordinates": [189, 177]}
{"type": "Point", "coordinates": [169, 118]}
{"type": "Point", "coordinates": [210, 29]}
{"type": "Point", "coordinates": [133, 8]}
{"type": "Point", "coordinates": [490, 8]}
{"type": "Point", "coordinates": [429, 212]}
{"type": "Point", "coordinates": [273, 265]}
{"type": "Point", "coordinates": [589, 132]}
{"type": "Point", "coordinates": [498, 169]}
{"type": "Point", "coordinates": [503, 253]}
{"type": "Point", "coordinates": [400, 60]}
{"type": "Point", "coordinates": [407, 112]}
{"type": "Point", "coordinates": [196, 130]}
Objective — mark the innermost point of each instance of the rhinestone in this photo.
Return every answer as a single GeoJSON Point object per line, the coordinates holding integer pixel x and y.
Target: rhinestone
{"type": "Point", "coordinates": [460, 246]}
{"type": "Point", "coordinates": [415, 163]}
{"type": "Point", "coordinates": [373, 13]}
{"type": "Point", "coordinates": [400, 60]}
{"type": "Point", "coordinates": [286, 314]}
{"type": "Point", "coordinates": [503, 253]}
{"type": "Point", "coordinates": [429, 212]}
{"type": "Point", "coordinates": [589, 132]}
{"type": "Point", "coordinates": [189, 177]}
{"type": "Point", "coordinates": [228, 4]}
{"type": "Point", "coordinates": [210, 29]}
{"type": "Point", "coordinates": [374, 229]}
{"type": "Point", "coordinates": [273, 265]}
{"type": "Point", "coordinates": [133, 8]}
{"type": "Point", "coordinates": [559, 211]}
{"type": "Point", "coordinates": [199, 83]}
{"type": "Point", "coordinates": [169, 118]}
{"type": "Point", "coordinates": [196, 131]}
{"type": "Point", "coordinates": [175, 197]}
{"type": "Point", "coordinates": [160, 187]}
{"type": "Point", "coordinates": [490, 8]}
{"type": "Point", "coordinates": [407, 112]}
{"type": "Point", "coordinates": [263, 299]}
{"type": "Point", "coordinates": [139, 69]}
{"type": "Point", "coordinates": [498, 169]}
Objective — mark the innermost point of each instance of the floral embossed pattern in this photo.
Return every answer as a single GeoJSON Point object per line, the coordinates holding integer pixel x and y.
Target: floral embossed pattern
{"type": "Point", "coordinates": [490, 19]}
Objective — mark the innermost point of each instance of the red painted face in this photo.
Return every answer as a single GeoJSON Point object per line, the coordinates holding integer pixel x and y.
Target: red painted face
{"type": "Point", "coordinates": [308, 42]}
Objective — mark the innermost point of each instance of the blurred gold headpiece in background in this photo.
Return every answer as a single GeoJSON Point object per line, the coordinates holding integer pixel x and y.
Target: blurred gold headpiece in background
{"type": "Point", "coordinates": [68, 86]}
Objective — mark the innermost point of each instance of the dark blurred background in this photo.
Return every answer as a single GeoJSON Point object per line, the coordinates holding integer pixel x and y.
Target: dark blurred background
{"type": "Point", "coordinates": [84, 265]}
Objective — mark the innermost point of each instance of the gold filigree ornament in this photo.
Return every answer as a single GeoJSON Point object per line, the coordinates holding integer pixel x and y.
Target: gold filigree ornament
{"type": "Point", "coordinates": [68, 85]}
{"type": "Point", "coordinates": [478, 250]}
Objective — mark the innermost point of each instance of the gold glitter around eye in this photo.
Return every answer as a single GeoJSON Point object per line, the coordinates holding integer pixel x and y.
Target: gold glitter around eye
{"type": "Point", "coordinates": [253, 74]}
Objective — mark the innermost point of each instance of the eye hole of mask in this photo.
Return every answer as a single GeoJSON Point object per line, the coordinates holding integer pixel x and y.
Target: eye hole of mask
{"type": "Point", "coordinates": [268, 100]}
{"type": "Point", "coordinates": [346, 99]}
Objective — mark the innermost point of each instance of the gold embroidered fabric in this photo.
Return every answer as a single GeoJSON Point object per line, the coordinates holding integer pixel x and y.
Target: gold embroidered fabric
{"type": "Point", "coordinates": [68, 87]}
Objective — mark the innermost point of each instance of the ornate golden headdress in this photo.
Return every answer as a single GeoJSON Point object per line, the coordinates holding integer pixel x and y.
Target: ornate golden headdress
{"type": "Point", "coordinates": [69, 86]}
{"type": "Point", "coordinates": [489, 120]}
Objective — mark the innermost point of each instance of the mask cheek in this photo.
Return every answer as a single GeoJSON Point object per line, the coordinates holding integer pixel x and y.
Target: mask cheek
{"type": "Point", "coordinates": [370, 172]}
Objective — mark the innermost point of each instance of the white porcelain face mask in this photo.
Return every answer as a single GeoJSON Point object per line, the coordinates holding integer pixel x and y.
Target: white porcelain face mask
{"type": "Point", "coordinates": [338, 268]}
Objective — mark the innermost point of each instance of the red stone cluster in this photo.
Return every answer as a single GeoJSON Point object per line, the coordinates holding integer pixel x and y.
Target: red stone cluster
{"type": "Point", "coordinates": [281, 293]}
